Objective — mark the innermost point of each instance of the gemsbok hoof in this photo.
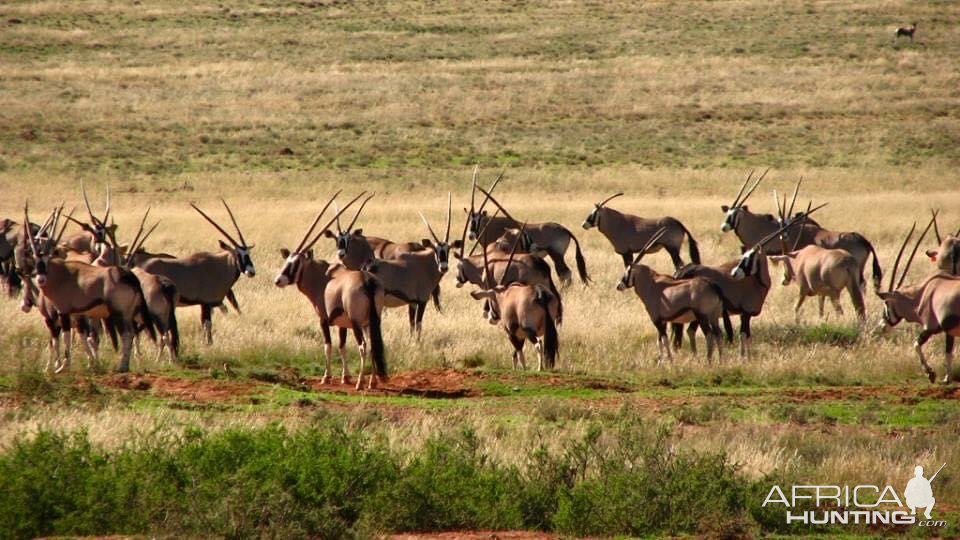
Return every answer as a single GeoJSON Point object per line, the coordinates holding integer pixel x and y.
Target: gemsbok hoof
{"type": "Point", "coordinates": [60, 368]}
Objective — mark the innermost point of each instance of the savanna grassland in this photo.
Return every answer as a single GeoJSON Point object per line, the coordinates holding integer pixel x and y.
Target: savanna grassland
{"type": "Point", "coordinates": [276, 105]}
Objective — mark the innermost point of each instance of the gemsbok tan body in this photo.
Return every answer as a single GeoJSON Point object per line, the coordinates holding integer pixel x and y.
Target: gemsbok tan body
{"type": "Point", "coordinates": [751, 228]}
{"type": "Point", "coordinates": [75, 288]}
{"type": "Point", "coordinates": [628, 233]}
{"type": "Point", "coordinates": [669, 300]}
{"type": "Point", "coordinates": [205, 278]}
{"type": "Point", "coordinates": [934, 304]}
{"type": "Point", "coordinates": [823, 273]}
{"type": "Point", "coordinates": [526, 313]}
{"type": "Point", "coordinates": [550, 237]}
{"type": "Point", "coordinates": [347, 299]}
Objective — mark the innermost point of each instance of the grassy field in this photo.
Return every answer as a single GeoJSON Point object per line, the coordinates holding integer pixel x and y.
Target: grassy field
{"type": "Point", "coordinates": [276, 105]}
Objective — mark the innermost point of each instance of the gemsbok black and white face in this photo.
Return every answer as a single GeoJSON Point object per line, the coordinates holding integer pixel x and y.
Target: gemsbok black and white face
{"type": "Point", "coordinates": [441, 248]}
{"type": "Point", "coordinates": [240, 249]}
{"type": "Point", "coordinates": [593, 219]}
{"type": "Point", "coordinates": [731, 214]}
{"type": "Point", "coordinates": [747, 265]}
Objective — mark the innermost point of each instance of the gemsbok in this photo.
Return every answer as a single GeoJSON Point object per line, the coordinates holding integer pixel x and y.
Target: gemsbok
{"type": "Point", "coordinates": [347, 299]}
{"type": "Point", "coordinates": [907, 31]}
{"type": "Point", "coordinates": [76, 288]}
{"type": "Point", "coordinates": [526, 312]}
{"type": "Point", "coordinates": [93, 235]}
{"type": "Point", "coordinates": [669, 300]}
{"type": "Point", "coordinates": [204, 278]}
{"type": "Point", "coordinates": [628, 233]}
{"type": "Point", "coordinates": [751, 228]}
{"type": "Point", "coordinates": [159, 292]}
{"type": "Point", "coordinates": [550, 237]}
{"type": "Point", "coordinates": [934, 304]}
{"type": "Point", "coordinates": [947, 255]}
{"type": "Point", "coordinates": [823, 273]}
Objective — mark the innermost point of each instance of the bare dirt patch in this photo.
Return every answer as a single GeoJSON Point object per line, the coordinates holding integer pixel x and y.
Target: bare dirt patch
{"type": "Point", "coordinates": [477, 535]}
{"type": "Point", "coordinates": [200, 390]}
{"type": "Point", "coordinates": [870, 392]}
{"type": "Point", "coordinates": [431, 383]}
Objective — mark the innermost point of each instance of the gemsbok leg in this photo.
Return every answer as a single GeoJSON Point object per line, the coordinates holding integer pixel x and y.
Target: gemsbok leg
{"type": "Point", "coordinates": [344, 370]}
{"type": "Point", "coordinates": [948, 358]}
{"type": "Point", "coordinates": [518, 359]}
{"type": "Point", "coordinates": [918, 346]}
{"type": "Point", "coordinates": [206, 322]}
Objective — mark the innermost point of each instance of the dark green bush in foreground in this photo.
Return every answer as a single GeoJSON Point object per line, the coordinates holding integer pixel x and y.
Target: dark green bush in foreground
{"type": "Point", "coordinates": [327, 482]}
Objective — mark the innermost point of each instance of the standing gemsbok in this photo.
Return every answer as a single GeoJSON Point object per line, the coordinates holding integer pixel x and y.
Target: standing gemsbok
{"type": "Point", "coordinates": [76, 288]}
{"type": "Point", "coordinates": [947, 255]}
{"type": "Point", "coordinates": [526, 312]}
{"type": "Point", "coordinates": [347, 299]}
{"type": "Point", "coordinates": [550, 237]}
{"type": "Point", "coordinates": [669, 300]}
{"type": "Point", "coordinates": [751, 228]}
{"type": "Point", "coordinates": [628, 233]}
{"type": "Point", "coordinates": [204, 278]}
{"type": "Point", "coordinates": [934, 304]}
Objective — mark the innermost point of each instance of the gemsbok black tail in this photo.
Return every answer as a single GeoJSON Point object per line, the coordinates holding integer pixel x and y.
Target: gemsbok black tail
{"type": "Point", "coordinates": [376, 332]}
{"type": "Point", "coordinates": [551, 341]}
{"type": "Point", "coordinates": [692, 245]}
{"type": "Point", "coordinates": [581, 262]}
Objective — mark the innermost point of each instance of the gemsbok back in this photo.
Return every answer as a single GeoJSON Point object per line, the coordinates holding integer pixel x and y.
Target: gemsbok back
{"type": "Point", "coordinates": [204, 278]}
{"type": "Point", "coordinates": [934, 304]}
{"type": "Point", "coordinates": [669, 300]}
{"type": "Point", "coordinates": [347, 299]}
{"type": "Point", "coordinates": [628, 233]}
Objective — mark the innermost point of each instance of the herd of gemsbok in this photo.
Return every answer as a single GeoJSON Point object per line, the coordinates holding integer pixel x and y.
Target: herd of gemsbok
{"type": "Point", "coordinates": [90, 283]}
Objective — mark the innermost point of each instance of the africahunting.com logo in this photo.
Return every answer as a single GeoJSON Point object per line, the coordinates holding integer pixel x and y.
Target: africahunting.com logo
{"type": "Point", "coordinates": [859, 505]}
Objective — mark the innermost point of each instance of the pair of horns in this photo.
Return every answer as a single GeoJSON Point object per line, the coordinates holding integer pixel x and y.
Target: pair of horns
{"type": "Point", "coordinates": [138, 240]}
{"type": "Point", "coordinates": [106, 213]}
{"type": "Point", "coordinates": [446, 236]}
{"type": "Point", "coordinates": [906, 240]}
{"type": "Point", "coordinates": [240, 245]}
{"type": "Point", "coordinates": [650, 243]}
{"type": "Point", "coordinates": [738, 201]}
{"type": "Point", "coordinates": [473, 200]}
{"type": "Point", "coordinates": [305, 244]}
{"type": "Point", "coordinates": [782, 210]}
{"type": "Point", "coordinates": [355, 216]}
{"type": "Point", "coordinates": [787, 225]}
{"type": "Point", "coordinates": [936, 228]}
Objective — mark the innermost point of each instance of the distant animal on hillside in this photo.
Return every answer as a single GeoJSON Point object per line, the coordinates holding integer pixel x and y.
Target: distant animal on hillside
{"type": "Point", "coordinates": [906, 31]}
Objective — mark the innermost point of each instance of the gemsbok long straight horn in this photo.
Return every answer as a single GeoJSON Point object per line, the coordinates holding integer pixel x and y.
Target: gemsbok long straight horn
{"type": "Point", "coordinates": [934, 304]}
{"type": "Point", "coordinates": [947, 254]}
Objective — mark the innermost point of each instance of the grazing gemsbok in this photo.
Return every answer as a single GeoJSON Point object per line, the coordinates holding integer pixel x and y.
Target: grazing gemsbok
{"type": "Point", "coordinates": [204, 278]}
{"type": "Point", "coordinates": [550, 237]}
{"type": "Point", "coordinates": [347, 299]}
{"type": "Point", "coordinates": [934, 304]}
{"type": "Point", "coordinates": [670, 300]}
{"type": "Point", "coordinates": [906, 31]}
{"type": "Point", "coordinates": [525, 312]}
{"type": "Point", "coordinates": [750, 228]}
{"type": "Point", "coordinates": [160, 293]}
{"type": "Point", "coordinates": [823, 273]}
{"type": "Point", "coordinates": [628, 233]}
{"type": "Point", "coordinates": [76, 288]}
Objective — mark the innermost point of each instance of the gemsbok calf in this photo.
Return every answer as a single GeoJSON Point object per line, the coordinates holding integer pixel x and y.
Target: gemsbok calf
{"type": "Point", "coordinates": [76, 288]}
{"type": "Point", "coordinates": [669, 300]}
{"type": "Point", "coordinates": [628, 233]}
{"type": "Point", "coordinates": [204, 278]}
{"type": "Point", "coordinates": [526, 312]}
{"type": "Point", "coordinates": [934, 304]}
{"type": "Point", "coordinates": [347, 299]}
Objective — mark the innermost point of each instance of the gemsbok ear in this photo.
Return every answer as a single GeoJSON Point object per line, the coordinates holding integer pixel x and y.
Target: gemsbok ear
{"type": "Point", "coordinates": [328, 233]}
{"type": "Point", "coordinates": [224, 245]}
{"type": "Point", "coordinates": [425, 242]}
{"type": "Point", "coordinates": [724, 207]}
{"type": "Point", "coordinates": [481, 295]}
{"type": "Point", "coordinates": [358, 232]}
{"type": "Point", "coordinates": [309, 253]}
{"type": "Point", "coordinates": [457, 255]}
{"type": "Point", "coordinates": [932, 253]}
{"type": "Point", "coordinates": [745, 207]}
{"type": "Point", "coordinates": [285, 252]}
{"type": "Point", "coordinates": [457, 244]}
